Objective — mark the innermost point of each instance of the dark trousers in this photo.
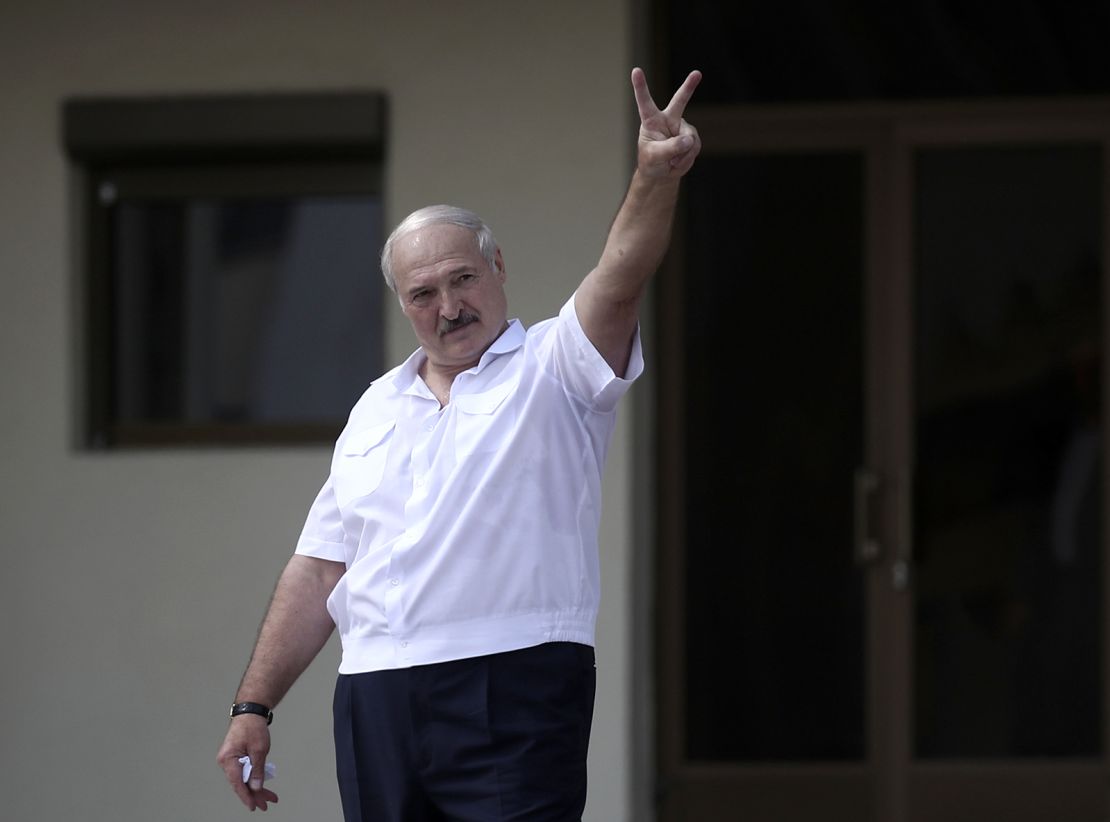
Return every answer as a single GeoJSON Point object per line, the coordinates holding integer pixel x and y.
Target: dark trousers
{"type": "Point", "coordinates": [489, 739]}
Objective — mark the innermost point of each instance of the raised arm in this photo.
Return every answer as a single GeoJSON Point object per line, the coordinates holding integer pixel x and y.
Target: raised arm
{"type": "Point", "coordinates": [608, 300]}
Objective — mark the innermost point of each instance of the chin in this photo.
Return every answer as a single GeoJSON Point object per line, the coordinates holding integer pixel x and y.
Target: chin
{"type": "Point", "coordinates": [466, 347]}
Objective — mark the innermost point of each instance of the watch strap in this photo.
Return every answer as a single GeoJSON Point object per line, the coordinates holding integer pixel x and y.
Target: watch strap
{"type": "Point", "coordinates": [252, 708]}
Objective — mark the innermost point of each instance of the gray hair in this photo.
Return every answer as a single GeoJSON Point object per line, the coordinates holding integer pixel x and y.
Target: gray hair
{"type": "Point", "coordinates": [430, 215]}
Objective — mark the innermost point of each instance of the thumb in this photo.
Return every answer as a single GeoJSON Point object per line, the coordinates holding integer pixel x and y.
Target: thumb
{"type": "Point", "coordinates": [680, 145]}
{"type": "Point", "coordinates": [662, 157]}
{"type": "Point", "coordinates": [257, 768]}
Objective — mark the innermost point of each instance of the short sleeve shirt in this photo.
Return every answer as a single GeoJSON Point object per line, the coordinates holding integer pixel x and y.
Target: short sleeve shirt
{"type": "Point", "coordinates": [471, 529]}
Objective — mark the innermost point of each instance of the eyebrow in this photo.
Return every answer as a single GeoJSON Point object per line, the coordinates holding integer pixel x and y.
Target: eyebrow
{"type": "Point", "coordinates": [454, 272]}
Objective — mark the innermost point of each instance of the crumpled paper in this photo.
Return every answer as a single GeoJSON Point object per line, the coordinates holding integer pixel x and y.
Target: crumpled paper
{"type": "Point", "coordinates": [270, 771]}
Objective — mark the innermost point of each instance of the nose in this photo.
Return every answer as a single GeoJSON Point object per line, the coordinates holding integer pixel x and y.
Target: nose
{"type": "Point", "coordinates": [448, 305]}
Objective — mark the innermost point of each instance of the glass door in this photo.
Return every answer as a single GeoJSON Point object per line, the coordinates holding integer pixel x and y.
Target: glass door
{"type": "Point", "coordinates": [1008, 541]}
{"type": "Point", "coordinates": [764, 394]}
{"type": "Point", "coordinates": [882, 569]}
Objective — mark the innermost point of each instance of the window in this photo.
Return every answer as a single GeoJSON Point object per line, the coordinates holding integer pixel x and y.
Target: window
{"type": "Point", "coordinates": [232, 291]}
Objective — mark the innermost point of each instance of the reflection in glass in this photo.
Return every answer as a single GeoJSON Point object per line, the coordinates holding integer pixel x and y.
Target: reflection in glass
{"type": "Point", "coordinates": [773, 291]}
{"type": "Point", "coordinates": [1008, 452]}
{"type": "Point", "coordinates": [245, 310]}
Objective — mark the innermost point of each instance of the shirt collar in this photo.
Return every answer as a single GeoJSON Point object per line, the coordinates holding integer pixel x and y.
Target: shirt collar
{"type": "Point", "coordinates": [509, 340]}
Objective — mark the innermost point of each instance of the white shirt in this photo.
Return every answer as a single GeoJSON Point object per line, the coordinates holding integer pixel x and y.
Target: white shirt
{"type": "Point", "coordinates": [471, 529]}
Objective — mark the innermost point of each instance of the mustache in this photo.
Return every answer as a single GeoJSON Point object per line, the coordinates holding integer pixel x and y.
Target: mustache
{"type": "Point", "coordinates": [465, 318]}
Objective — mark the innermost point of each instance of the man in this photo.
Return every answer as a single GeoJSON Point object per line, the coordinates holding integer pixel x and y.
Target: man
{"type": "Point", "coordinates": [455, 541]}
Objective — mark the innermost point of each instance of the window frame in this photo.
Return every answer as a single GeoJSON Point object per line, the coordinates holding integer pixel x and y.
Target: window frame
{"type": "Point", "coordinates": [230, 146]}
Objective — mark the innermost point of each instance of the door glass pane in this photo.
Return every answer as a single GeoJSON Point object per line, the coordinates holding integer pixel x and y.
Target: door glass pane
{"type": "Point", "coordinates": [1008, 452]}
{"type": "Point", "coordinates": [773, 344]}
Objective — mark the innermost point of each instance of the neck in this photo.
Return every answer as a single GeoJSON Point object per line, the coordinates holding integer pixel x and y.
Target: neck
{"type": "Point", "coordinates": [447, 373]}
{"type": "Point", "coordinates": [430, 372]}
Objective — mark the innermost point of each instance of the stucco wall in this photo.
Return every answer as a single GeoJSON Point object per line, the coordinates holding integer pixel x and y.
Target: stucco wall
{"type": "Point", "coordinates": [133, 583]}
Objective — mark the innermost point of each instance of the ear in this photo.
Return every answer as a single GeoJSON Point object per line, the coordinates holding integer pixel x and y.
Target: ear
{"type": "Point", "coordinates": [499, 265]}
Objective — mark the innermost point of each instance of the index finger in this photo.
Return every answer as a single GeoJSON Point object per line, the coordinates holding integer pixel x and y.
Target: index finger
{"type": "Point", "coordinates": [644, 103]}
{"type": "Point", "coordinates": [681, 98]}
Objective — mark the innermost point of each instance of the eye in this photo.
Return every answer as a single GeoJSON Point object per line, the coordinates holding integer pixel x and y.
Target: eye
{"type": "Point", "coordinates": [420, 298]}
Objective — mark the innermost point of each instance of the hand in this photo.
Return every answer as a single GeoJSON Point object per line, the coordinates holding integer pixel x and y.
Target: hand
{"type": "Point", "coordinates": [247, 735]}
{"type": "Point", "coordinates": [668, 144]}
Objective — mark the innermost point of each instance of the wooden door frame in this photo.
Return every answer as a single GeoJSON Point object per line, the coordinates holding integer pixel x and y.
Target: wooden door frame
{"type": "Point", "coordinates": [886, 135]}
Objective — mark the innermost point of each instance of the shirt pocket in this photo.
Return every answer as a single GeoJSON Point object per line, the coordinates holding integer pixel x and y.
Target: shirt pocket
{"type": "Point", "coordinates": [480, 424]}
{"type": "Point", "coordinates": [361, 464]}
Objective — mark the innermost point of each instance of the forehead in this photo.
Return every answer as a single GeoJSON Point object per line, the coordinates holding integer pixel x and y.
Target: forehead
{"type": "Point", "coordinates": [434, 247]}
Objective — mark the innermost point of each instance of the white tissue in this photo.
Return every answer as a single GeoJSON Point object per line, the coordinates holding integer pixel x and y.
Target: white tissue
{"type": "Point", "coordinates": [270, 770]}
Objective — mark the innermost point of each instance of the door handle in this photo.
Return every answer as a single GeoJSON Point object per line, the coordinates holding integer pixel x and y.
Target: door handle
{"type": "Point", "coordinates": [865, 486]}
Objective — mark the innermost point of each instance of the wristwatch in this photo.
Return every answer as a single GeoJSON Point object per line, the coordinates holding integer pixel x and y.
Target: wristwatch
{"type": "Point", "coordinates": [252, 708]}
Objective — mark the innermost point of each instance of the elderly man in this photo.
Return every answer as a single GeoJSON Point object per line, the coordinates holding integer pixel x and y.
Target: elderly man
{"type": "Point", "coordinates": [454, 543]}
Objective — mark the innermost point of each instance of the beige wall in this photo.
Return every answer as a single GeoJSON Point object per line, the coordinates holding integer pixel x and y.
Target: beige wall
{"type": "Point", "coordinates": [133, 582]}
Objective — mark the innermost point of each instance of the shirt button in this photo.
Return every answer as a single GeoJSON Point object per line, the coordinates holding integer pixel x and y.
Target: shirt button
{"type": "Point", "coordinates": [395, 582]}
{"type": "Point", "coordinates": [404, 643]}
{"type": "Point", "coordinates": [430, 427]}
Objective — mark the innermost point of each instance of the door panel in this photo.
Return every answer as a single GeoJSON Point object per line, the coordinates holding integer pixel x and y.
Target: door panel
{"type": "Point", "coordinates": [770, 690]}
{"type": "Point", "coordinates": [774, 651]}
{"type": "Point", "coordinates": [1008, 438]}
{"type": "Point", "coordinates": [916, 291]}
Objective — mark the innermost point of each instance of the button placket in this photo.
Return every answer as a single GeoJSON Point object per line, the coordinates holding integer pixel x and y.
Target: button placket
{"type": "Point", "coordinates": [421, 462]}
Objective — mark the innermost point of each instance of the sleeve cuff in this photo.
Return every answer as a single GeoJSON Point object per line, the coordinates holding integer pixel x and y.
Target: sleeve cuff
{"type": "Point", "coordinates": [309, 547]}
{"type": "Point", "coordinates": [606, 387]}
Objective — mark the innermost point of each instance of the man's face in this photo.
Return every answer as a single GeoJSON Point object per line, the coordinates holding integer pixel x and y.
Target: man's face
{"type": "Point", "coordinates": [454, 300]}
